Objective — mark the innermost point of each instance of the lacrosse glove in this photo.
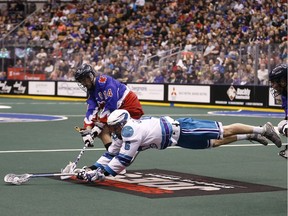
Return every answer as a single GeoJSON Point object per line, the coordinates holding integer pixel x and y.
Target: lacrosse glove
{"type": "Point", "coordinates": [95, 131]}
{"type": "Point", "coordinates": [87, 137]}
{"type": "Point", "coordinates": [89, 175]}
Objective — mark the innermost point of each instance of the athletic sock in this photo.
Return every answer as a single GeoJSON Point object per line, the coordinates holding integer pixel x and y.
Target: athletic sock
{"type": "Point", "coordinates": [258, 130]}
{"type": "Point", "coordinates": [242, 137]}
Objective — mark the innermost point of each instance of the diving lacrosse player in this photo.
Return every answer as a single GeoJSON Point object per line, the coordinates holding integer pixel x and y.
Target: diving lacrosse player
{"type": "Point", "coordinates": [278, 83]}
{"type": "Point", "coordinates": [130, 136]}
{"type": "Point", "coordinates": [105, 94]}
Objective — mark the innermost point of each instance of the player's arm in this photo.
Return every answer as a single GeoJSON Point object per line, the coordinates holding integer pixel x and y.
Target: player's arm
{"type": "Point", "coordinates": [122, 160]}
{"type": "Point", "coordinates": [110, 103]}
{"type": "Point", "coordinates": [92, 128]}
{"type": "Point", "coordinates": [113, 150]}
{"type": "Point", "coordinates": [91, 113]}
{"type": "Point", "coordinates": [97, 171]}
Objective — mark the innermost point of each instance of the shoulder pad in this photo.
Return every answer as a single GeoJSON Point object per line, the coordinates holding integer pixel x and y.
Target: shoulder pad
{"type": "Point", "coordinates": [127, 131]}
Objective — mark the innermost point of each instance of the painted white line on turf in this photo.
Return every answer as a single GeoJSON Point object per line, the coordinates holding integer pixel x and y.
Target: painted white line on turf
{"type": "Point", "coordinates": [103, 149]}
{"type": "Point", "coordinates": [50, 150]}
{"type": "Point", "coordinates": [5, 107]}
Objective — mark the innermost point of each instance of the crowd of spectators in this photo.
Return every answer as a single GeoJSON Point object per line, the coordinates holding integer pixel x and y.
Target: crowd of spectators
{"type": "Point", "coordinates": [221, 42]}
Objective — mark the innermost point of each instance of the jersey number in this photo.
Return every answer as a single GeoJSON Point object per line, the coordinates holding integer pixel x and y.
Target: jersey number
{"type": "Point", "coordinates": [127, 145]}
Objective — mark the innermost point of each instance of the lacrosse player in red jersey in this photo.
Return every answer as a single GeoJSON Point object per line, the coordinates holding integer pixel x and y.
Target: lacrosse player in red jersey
{"type": "Point", "coordinates": [105, 94]}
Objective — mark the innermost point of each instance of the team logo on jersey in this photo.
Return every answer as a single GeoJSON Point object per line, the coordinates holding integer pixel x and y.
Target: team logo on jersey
{"type": "Point", "coordinates": [156, 183]}
{"type": "Point", "coordinates": [23, 117]}
{"type": "Point", "coordinates": [102, 79]}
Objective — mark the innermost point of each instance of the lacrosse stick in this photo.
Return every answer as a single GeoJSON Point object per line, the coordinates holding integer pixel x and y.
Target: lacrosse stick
{"type": "Point", "coordinates": [83, 149]}
{"type": "Point", "coordinates": [20, 179]}
{"type": "Point", "coordinates": [72, 165]}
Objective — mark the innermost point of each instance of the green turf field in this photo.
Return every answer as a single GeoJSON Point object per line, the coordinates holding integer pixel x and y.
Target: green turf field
{"type": "Point", "coordinates": [45, 147]}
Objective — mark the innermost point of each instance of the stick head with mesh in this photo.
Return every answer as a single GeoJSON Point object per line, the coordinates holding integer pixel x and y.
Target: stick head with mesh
{"type": "Point", "coordinates": [16, 179]}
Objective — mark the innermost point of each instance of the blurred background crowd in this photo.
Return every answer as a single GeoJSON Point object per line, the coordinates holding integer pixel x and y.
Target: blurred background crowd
{"type": "Point", "coordinates": [163, 41]}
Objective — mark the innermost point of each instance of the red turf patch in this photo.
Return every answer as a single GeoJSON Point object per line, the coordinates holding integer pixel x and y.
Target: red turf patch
{"type": "Point", "coordinates": [162, 183]}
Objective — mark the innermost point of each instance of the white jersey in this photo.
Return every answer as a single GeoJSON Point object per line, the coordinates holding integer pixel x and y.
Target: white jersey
{"type": "Point", "coordinates": [139, 135]}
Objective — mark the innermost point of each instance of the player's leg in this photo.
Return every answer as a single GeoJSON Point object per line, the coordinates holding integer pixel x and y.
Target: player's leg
{"type": "Point", "coordinates": [197, 133]}
{"type": "Point", "coordinates": [132, 104]}
{"type": "Point", "coordinates": [267, 131]}
{"type": "Point", "coordinates": [238, 128]}
{"type": "Point", "coordinates": [229, 139]}
{"type": "Point", "coordinates": [201, 134]}
{"type": "Point", "coordinates": [224, 141]}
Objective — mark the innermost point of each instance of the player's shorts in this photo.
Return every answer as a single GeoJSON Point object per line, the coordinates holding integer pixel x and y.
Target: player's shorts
{"type": "Point", "coordinates": [132, 104]}
{"type": "Point", "coordinates": [196, 133]}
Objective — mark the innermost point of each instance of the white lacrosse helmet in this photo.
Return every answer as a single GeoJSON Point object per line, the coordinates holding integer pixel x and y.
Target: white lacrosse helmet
{"type": "Point", "coordinates": [118, 117]}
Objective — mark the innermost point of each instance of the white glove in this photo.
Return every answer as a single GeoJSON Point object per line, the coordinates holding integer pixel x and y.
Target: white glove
{"type": "Point", "coordinates": [95, 131]}
{"type": "Point", "coordinates": [88, 135]}
{"type": "Point", "coordinates": [283, 127]}
{"type": "Point", "coordinates": [83, 169]}
{"type": "Point", "coordinates": [88, 140]}
{"type": "Point", "coordinates": [91, 175]}
{"type": "Point", "coordinates": [68, 169]}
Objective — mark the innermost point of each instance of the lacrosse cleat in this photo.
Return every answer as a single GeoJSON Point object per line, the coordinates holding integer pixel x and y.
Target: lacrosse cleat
{"type": "Point", "coordinates": [258, 138]}
{"type": "Point", "coordinates": [271, 134]}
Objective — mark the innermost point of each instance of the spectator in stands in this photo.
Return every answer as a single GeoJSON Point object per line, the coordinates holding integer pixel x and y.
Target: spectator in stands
{"type": "Point", "coordinates": [218, 77]}
{"type": "Point", "coordinates": [262, 74]}
{"type": "Point", "coordinates": [2, 75]}
{"type": "Point", "coordinates": [159, 78]}
{"type": "Point", "coordinates": [48, 69]}
{"type": "Point", "coordinates": [19, 64]}
{"type": "Point", "coordinates": [235, 79]}
{"type": "Point", "coordinates": [42, 54]}
{"type": "Point", "coordinates": [193, 23]}
{"type": "Point", "coordinates": [69, 76]}
{"type": "Point", "coordinates": [227, 78]}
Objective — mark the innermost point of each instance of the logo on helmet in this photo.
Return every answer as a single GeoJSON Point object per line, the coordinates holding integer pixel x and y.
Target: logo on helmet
{"type": "Point", "coordinates": [119, 116]}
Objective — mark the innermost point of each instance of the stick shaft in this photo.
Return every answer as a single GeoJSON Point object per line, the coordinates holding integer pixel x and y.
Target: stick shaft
{"type": "Point", "coordinates": [51, 174]}
{"type": "Point", "coordinates": [80, 154]}
{"type": "Point", "coordinates": [83, 149]}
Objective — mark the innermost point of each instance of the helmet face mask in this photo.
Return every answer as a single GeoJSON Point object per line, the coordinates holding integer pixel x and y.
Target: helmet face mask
{"type": "Point", "coordinates": [278, 80]}
{"type": "Point", "coordinates": [116, 130]}
{"type": "Point", "coordinates": [85, 76]}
